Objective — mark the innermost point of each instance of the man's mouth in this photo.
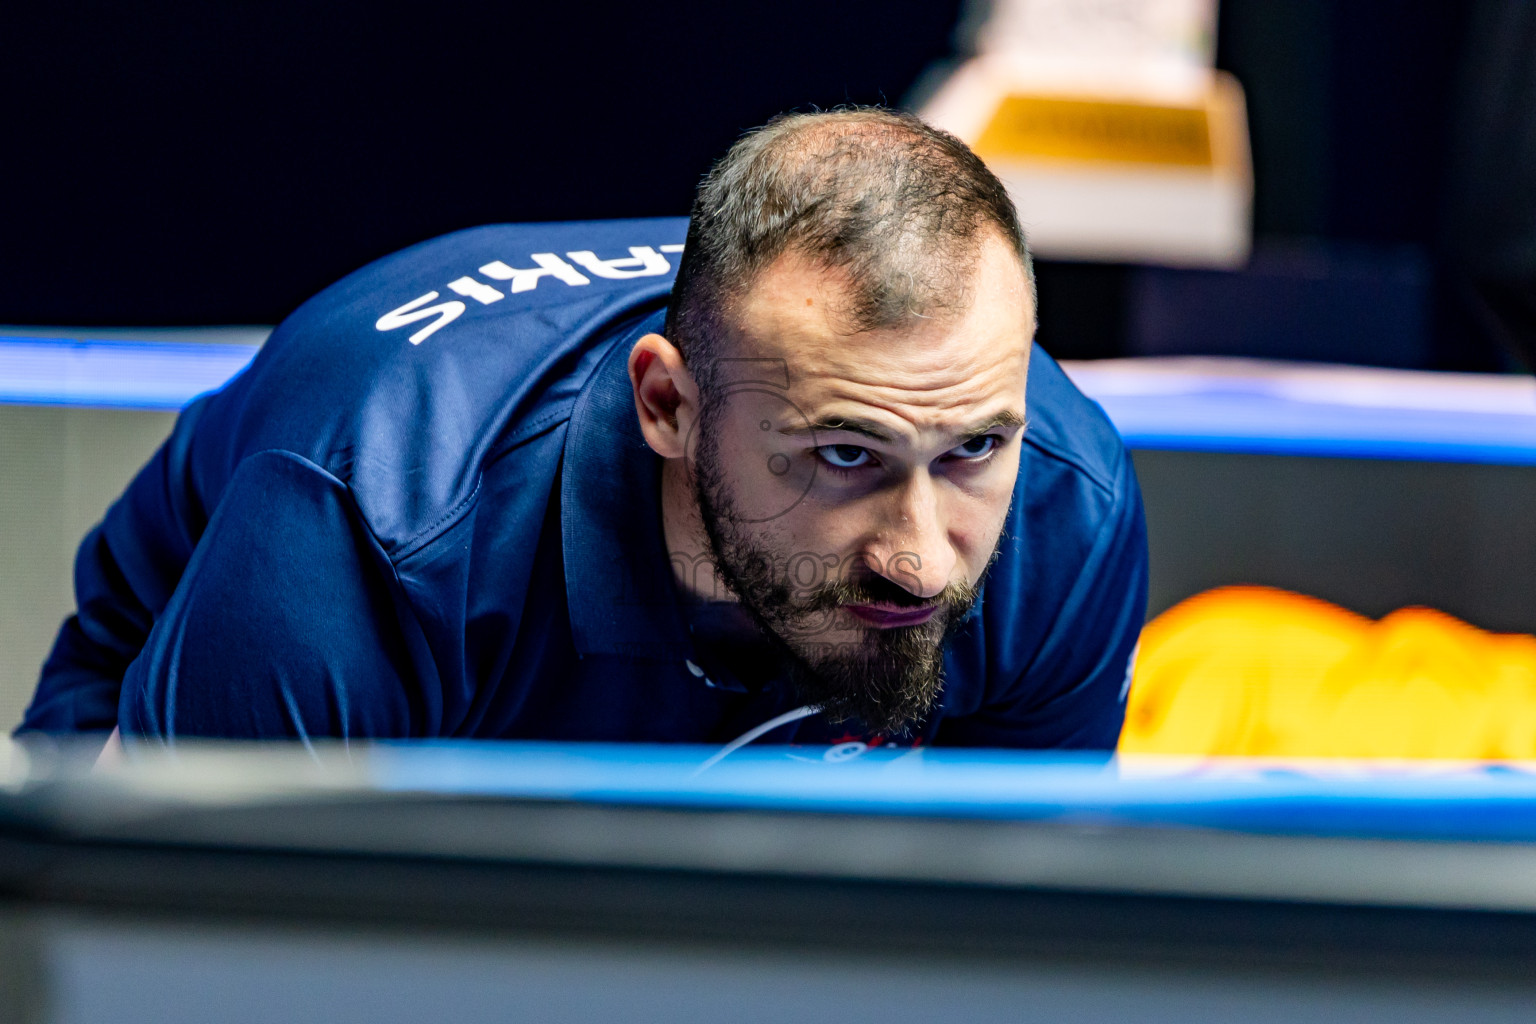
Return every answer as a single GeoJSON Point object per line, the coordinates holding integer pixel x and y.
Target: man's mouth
{"type": "Point", "coordinates": [889, 616]}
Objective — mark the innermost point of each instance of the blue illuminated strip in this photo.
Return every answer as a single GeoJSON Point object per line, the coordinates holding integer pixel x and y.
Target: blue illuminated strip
{"type": "Point", "coordinates": [115, 374]}
{"type": "Point", "coordinates": [1424, 800]}
{"type": "Point", "coordinates": [1274, 408]}
{"type": "Point", "coordinates": [1280, 412]}
{"type": "Point", "coordinates": [1279, 426]}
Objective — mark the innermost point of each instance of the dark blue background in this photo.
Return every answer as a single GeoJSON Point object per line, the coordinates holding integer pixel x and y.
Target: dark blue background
{"type": "Point", "coordinates": [173, 162]}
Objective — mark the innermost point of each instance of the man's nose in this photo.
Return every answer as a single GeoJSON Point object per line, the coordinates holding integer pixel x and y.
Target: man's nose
{"type": "Point", "coordinates": [913, 548]}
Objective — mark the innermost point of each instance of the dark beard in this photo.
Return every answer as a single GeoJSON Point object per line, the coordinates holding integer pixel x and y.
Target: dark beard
{"type": "Point", "coordinates": [890, 680]}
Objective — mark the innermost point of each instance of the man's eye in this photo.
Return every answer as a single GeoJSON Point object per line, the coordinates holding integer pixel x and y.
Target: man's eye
{"type": "Point", "coordinates": [976, 447]}
{"type": "Point", "coordinates": [844, 456]}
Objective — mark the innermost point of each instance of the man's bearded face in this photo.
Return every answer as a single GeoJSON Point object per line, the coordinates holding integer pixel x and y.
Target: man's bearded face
{"type": "Point", "coordinates": [854, 484]}
{"type": "Point", "coordinates": [888, 679]}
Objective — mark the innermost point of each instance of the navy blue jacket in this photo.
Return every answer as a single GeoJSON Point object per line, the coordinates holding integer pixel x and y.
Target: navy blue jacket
{"type": "Point", "coordinates": [426, 510]}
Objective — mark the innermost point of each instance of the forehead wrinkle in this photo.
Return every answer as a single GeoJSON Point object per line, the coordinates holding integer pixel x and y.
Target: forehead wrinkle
{"type": "Point", "coordinates": [929, 402]}
{"type": "Point", "coordinates": [956, 396]}
{"type": "Point", "coordinates": [945, 372]}
{"type": "Point", "coordinates": [937, 380]}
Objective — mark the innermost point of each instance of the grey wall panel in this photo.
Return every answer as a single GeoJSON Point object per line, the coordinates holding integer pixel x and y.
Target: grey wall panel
{"type": "Point", "coordinates": [1371, 535]}
{"type": "Point", "coordinates": [59, 470]}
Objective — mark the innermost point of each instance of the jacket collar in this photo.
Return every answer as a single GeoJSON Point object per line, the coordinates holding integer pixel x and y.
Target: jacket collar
{"type": "Point", "coordinates": [618, 579]}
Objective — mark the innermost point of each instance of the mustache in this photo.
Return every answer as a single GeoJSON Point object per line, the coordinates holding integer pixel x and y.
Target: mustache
{"type": "Point", "coordinates": [871, 589]}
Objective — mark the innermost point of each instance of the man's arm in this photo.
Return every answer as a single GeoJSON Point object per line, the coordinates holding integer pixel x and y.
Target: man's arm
{"type": "Point", "coordinates": [1072, 695]}
{"type": "Point", "coordinates": [287, 623]}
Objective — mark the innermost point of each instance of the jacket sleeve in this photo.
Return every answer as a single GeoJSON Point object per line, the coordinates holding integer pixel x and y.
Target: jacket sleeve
{"type": "Point", "coordinates": [287, 623]}
{"type": "Point", "coordinates": [1072, 695]}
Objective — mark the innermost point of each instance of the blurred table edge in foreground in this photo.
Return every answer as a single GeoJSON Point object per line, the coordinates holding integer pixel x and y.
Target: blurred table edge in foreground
{"type": "Point", "coordinates": [1167, 402]}
{"type": "Point", "coordinates": [1407, 867]}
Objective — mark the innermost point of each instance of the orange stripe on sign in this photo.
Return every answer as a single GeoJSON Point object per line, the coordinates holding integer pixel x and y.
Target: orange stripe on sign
{"type": "Point", "coordinates": [1070, 129]}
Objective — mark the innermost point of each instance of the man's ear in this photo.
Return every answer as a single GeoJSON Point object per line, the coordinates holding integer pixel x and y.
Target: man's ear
{"type": "Point", "coordinates": [666, 397]}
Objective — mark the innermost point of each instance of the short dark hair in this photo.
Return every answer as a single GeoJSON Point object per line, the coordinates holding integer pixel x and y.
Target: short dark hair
{"type": "Point", "coordinates": [896, 204]}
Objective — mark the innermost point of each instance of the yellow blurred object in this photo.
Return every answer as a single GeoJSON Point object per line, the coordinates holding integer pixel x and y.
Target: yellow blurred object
{"type": "Point", "coordinates": [1068, 128]}
{"type": "Point", "coordinates": [1259, 672]}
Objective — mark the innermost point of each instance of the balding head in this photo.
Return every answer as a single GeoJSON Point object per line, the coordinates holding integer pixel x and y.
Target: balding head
{"type": "Point", "coordinates": [893, 208]}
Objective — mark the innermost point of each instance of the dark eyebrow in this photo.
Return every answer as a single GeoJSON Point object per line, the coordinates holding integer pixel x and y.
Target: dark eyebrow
{"type": "Point", "coordinates": [866, 428]}
{"type": "Point", "coordinates": [1007, 418]}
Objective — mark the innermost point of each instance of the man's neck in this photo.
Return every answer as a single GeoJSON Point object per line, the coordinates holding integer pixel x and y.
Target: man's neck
{"type": "Point", "coordinates": [682, 528]}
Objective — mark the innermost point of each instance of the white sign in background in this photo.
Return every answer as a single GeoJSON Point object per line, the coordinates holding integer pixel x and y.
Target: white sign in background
{"type": "Point", "coordinates": [1164, 41]}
